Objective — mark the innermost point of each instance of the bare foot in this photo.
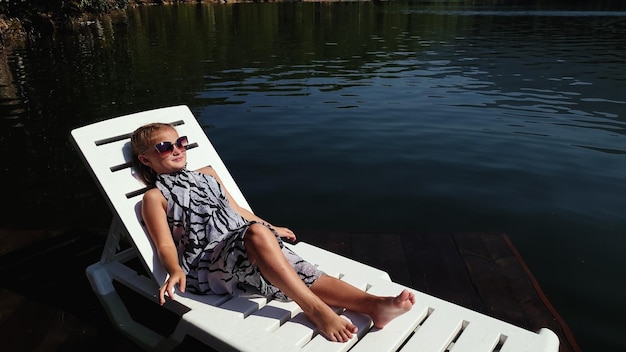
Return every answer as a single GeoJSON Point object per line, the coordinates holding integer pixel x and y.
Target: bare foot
{"type": "Point", "coordinates": [331, 325]}
{"type": "Point", "coordinates": [390, 308]}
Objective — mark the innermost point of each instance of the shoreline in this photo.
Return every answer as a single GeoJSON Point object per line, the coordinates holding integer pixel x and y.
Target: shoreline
{"type": "Point", "coordinates": [25, 21]}
{"type": "Point", "coordinates": [20, 22]}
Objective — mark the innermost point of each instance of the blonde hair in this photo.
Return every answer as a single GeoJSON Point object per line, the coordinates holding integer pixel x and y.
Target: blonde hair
{"type": "Point", "coordinates": [141, 142]}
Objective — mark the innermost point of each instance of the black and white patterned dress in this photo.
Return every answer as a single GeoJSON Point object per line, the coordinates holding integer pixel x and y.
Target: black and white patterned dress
{"type": "Point", "coordinates": [209, 236]}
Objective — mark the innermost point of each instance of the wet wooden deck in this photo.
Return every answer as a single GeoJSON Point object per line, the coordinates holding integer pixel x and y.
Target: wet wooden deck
{"type": "Point", "coordinates": [46, 303]}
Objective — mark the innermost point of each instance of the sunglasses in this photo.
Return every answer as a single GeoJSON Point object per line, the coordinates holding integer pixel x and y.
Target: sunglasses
{"type": "Point", "coordinates": [167, 148]}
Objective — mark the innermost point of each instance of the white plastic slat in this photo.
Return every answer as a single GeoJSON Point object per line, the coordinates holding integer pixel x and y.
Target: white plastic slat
{"type": "Point", "coordinates": [356, 281]}
{"type": "Point", "coordinates": [436, 332]}
{"type": "Point", "coordinates": [345, 265]}
{"type": "Point", "coordinates": [295, 334]}
{"type": "Point", "coordinates": [260, 341]}
{"type": "Point", "coordinates": [269, 318]}
{"type": "Point", "coordinates": [194, 301]}
{"type": "Point", "coordinates": [120, 184]}
{"type": "Point", "coordinates": [243, 305]}
{"type": "Point", "coordinates": [320, 343]}
{"type": "Point", "coordinates": [298, 331]}
{"type": "Point", "coordinates": [218, 322]}
{"type": "Point", "coordinates": [257, 328]}
{"type": "Point", "coordinates": [228, 325]}
{"type": "Point", "coordinates": [526, 341]}
{"type": "Point", "coordinates": [109, 156]}
{"type": "Point", "coordinates": [114, 183]}
{"type": "Point", "coordinates": [207, 324]}
{"type": "Point", "coordinates": [475, 338]}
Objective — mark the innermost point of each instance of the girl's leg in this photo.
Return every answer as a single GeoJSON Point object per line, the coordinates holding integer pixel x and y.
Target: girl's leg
{"type": "Point", "coordinates": [382, 310]}
{"type": "Point", "coordinates": [264, 251]}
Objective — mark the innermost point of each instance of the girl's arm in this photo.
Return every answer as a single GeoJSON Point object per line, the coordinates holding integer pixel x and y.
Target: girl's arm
{"type": "Point", "coordinates": [245, 213]}
{"type": "Point", "coordinates": [154, 215]}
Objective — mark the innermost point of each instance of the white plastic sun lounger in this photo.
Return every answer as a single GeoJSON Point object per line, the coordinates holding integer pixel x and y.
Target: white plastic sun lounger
{"type": "Point", "coordinates": [255, 324]}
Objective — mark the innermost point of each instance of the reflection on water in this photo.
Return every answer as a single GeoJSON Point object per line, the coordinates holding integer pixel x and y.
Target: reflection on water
{"type": "Point", "coordinates": [511, 12]}
{"type": "Point", "coordinates": [359, 116]}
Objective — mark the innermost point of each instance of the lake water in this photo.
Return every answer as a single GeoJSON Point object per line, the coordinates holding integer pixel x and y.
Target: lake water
{"type": "Point", "coordinates": [378, 117]}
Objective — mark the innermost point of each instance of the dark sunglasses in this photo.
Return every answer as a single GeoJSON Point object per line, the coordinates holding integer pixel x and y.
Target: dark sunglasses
{"type": "Point", "coordinates": [167, 148]}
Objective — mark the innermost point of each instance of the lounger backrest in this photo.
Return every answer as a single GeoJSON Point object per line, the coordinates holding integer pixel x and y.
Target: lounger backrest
{"type": "Point", "coordinates": [105, 147]}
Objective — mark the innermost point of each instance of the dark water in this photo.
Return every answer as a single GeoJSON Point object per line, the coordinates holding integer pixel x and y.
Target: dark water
{"type": "Point", "coordinates": [391, 117]}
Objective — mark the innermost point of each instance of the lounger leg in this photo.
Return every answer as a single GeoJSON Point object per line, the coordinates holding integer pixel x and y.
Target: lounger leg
{"type": "Point", "coordinates": [115, 308]}
{"type": "Point", "coordinates": [101, 277]}
{"type": "Point", "coordinates": [111, 249]}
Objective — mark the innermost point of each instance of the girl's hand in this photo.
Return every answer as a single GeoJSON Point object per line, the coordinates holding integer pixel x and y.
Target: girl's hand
{"type": "Point", "coordinates": [286, 233]}
{"type": "Point", "coordinates": [177, 278]}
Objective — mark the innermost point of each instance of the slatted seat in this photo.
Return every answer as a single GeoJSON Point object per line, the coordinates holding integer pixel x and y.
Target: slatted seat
{"type": "Point", "coordinates": [256, 324]}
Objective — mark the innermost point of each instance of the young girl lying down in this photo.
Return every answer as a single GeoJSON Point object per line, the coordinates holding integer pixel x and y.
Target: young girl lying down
{"type": "Point", "coordinates": [209, 244]}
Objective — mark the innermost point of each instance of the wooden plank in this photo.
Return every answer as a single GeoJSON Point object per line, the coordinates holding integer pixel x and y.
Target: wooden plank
{"type": "Point", "coordinates": [436, 266]}
{"type": "Point", "coordinates": [382, 251]}
{"type": "Point", "coordinates": [507, 287]}
{"type": "Point", "coordinates": [549, 316]}
{"type": "Point", "coordinates": [489, 269]}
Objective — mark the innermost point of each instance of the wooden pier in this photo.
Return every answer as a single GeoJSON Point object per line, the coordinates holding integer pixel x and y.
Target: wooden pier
{"type": "Point", "coordinates": [46, 303]}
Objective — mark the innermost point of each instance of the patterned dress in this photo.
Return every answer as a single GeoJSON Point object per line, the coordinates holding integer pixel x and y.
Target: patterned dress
{"type": "Point", "coordinates": [209, 236]}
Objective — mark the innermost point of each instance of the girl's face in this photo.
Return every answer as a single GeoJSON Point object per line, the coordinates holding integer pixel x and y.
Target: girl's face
{"type": "Point", "coordinates": [170, 160]}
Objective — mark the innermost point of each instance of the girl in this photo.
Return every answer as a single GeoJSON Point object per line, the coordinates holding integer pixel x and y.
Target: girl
{"type": "Point", "coordinates": [209, 244]}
